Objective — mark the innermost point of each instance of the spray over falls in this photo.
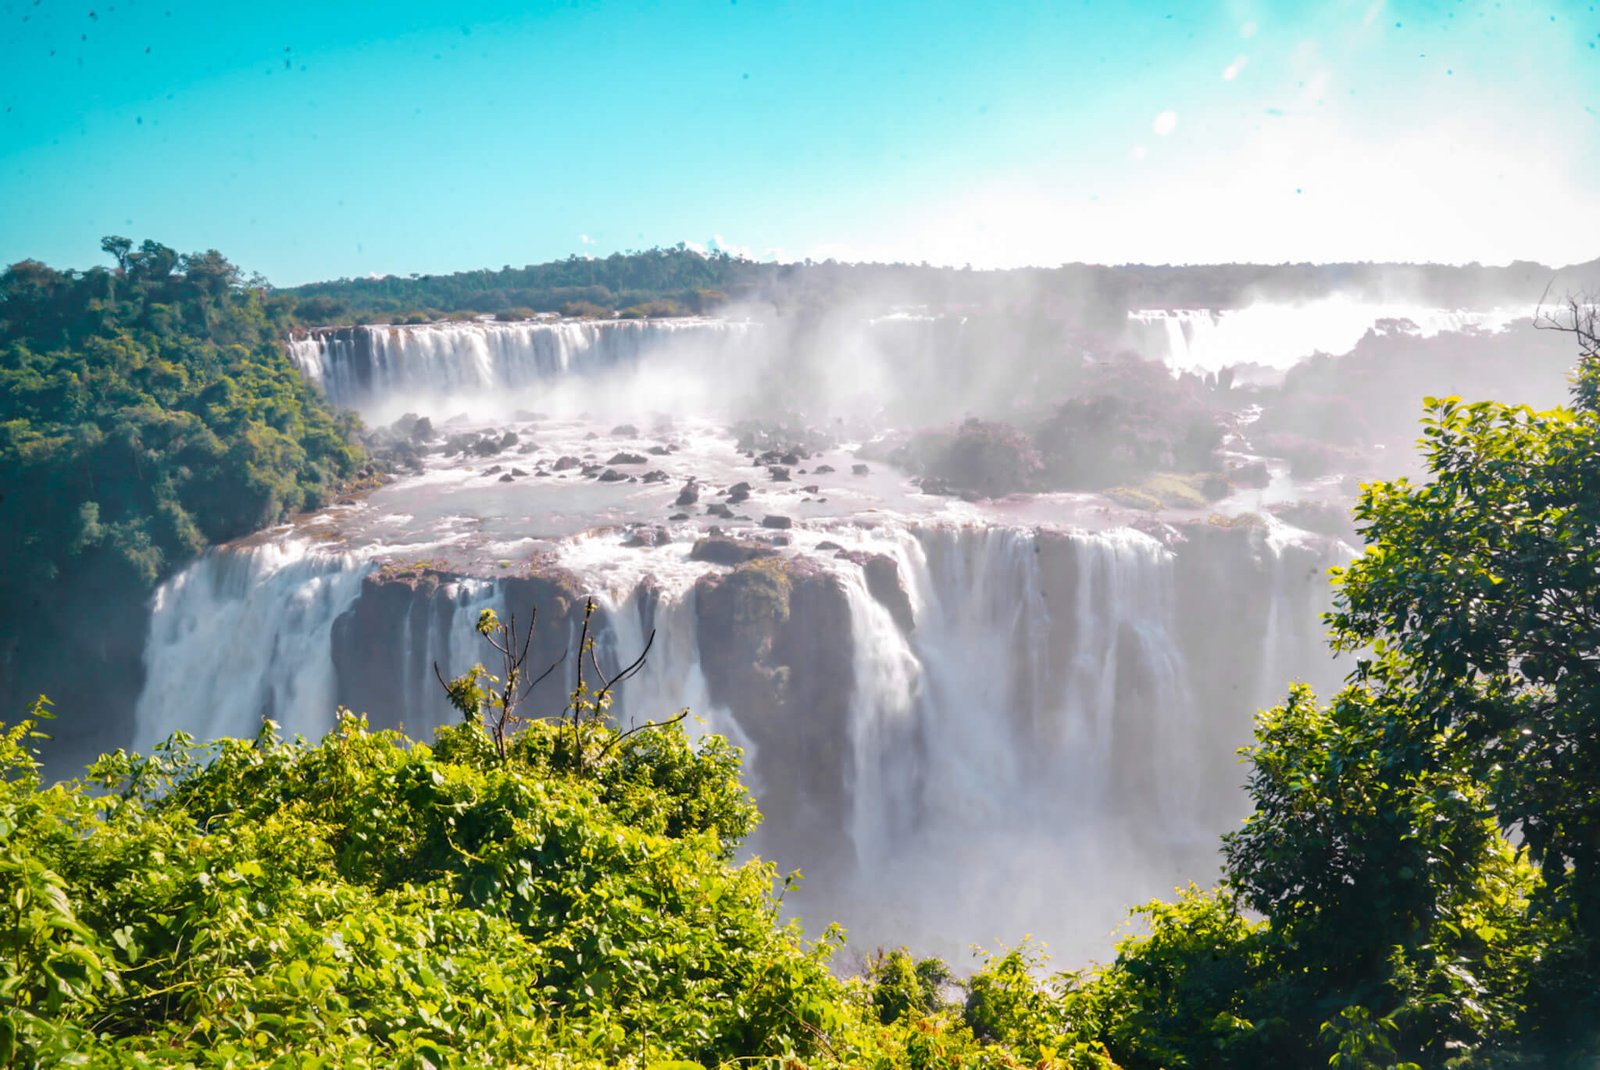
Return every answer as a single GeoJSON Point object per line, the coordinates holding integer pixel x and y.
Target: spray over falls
{"type": "Point", "coordinates": [963, 720]}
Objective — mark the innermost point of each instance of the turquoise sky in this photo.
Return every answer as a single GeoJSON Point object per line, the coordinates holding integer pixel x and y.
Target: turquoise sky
{"type": "Point", "coordinates": [314, 140]}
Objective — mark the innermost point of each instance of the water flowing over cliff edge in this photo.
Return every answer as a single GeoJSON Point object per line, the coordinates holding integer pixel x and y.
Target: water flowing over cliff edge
{"type": "Point", "coordinates": [963, 720]}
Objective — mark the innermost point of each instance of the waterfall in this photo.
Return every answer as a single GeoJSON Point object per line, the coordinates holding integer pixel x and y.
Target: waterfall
{"type": "Point", "coordinates": [1037, 732]}
{"type": "Point", "coordinates": [1277, 335]}
{"type": "Point", "coordinates": [445, 368]}
{"type": "Point", "coordinates": [242, 635]}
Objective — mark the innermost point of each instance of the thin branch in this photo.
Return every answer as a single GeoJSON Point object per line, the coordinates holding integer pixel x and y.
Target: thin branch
{"type": "Point", "coordinates": [620, 736]}
{"type": "Point", "coordinates": [554, 665]}
{"type": "Point", "coordinates": [631, 670]}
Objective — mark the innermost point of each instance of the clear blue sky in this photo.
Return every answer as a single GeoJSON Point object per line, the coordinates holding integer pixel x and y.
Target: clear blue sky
{"type": "Point", "coordinates": [315, 140]}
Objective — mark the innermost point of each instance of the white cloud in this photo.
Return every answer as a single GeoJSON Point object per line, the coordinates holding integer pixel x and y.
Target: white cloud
{"type": "Point", "coordinates": [585, 239]}
{"type": "Point", "coordinates": [1165, 123]}
{"type": "Point", "coordinates": [1231, 71]}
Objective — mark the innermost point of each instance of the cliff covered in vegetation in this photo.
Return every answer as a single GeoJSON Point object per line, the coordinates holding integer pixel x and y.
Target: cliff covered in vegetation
{"type": "Point", "coordinates": [146, 411]}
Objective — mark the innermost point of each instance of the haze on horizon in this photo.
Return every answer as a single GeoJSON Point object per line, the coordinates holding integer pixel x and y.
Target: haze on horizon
{"type": "Point", "coordinates": [315, 141]}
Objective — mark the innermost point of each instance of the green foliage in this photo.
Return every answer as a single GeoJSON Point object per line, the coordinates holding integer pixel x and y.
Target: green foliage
{"type": "Point", "coordinates": [369, 901]}
{"type": "Point", "coordinates": [1475, 607]}
{"type": "Point", "coordinates": [145, 412]}
{"type": "Point", "coordinates": [902, 985]}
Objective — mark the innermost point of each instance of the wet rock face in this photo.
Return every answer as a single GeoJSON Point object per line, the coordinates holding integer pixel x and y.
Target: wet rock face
{"type": "Point", "coordinates": [723, 550]}
{"type": "Point", "coordinates": [404, 621]}
{"type": "Point", "coordinates": [883, 581]}
{"type": "Point", "coordinates": [776, 648]}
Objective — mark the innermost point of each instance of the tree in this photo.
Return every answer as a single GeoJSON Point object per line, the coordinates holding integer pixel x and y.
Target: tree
{"type": "Point", "coordinates": [1476, 613]}
{"type": "Point", "coordinates": [494, 707]}
{"type": "Point", "coordinates": [119, 248]}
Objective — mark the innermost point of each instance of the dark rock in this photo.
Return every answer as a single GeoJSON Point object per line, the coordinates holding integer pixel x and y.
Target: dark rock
{"type": "Point", "coordinates": [518, 472]}
{"type": "Point", "coordinates": [647, 536]}
{"type": "Point", "coordinates": [778, 647]}
{"type": "Point", "coordinates": [790, 458]}
{"type": "Point", "coordinates": [822, 469]}
{"type": "Point", "coordinates": [829, 544]}
{"type": "Point", "coordinates": [659, 451]}
{"type": "Point", "coordinates": [884, 584]}
{"type": "Point", "coordinates": [485, 447]}
{"type": "Point", "coordinates": [493, 470]}
{"type": "Point", "coordinates": [860, 470]}
{"type": "Point", "coordinates": [813, 489]}
{"type": "Point", "coordinates": [656, 476]}
{"type": "Point", "coordinates": [382, 643]}
{"type": "Point", "coordinates": [611, 475]}
{"type": "Point", "coordinates": [509, 439]}
{"type": "Point", "coordinates": [721, 550]}
{"type": "Point", "coordinates": [778, 473]}
{"type": "Point", "coordinates": [678, 516]}
{"type": "Point", "coordinates": [778, 522]}
{"type": "Point", "coordinates": [594, 469]}
{"type": "Point", "coordinates": [507, 478]}
{"type": "Point", "coordinates": [1249, 474]}
{"type": "Point", "coordinates": [566, 462]}
{"type": "Point", "coordinates": [625, 431]}
{"type": "Point", "coordinates": [718, 509]}
{"type": "Point", "coordinates": [627, 458]}
{"type": "Point", "coordinates": [689, 495]}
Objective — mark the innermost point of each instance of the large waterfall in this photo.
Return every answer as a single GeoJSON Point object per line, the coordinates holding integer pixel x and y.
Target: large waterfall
{"type": "Point", "coordinates": [962, 726]}
{"type": "Point", "coordinates": [380, 371]}
{"type": "Point", "coordinates": [1040, 743]}
{"type": "Point", "coordinates": [1276, 335]}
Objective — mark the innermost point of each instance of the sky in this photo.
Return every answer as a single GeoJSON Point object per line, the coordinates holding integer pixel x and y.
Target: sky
{"type": "Point", "coordinates": [319, 140]}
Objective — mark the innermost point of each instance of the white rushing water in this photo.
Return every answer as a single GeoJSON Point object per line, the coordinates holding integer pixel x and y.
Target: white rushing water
{"type": "Point", "coordinates": [1024, 760]}
{"type": "Point", "coordinates": [1047, 739]}
{"type": "Point", "coordinates": [444, 368]}
{"type": "Point", "coordinates": [1276, 335]}
{"type": "Point", "coordinates": [244, 634]}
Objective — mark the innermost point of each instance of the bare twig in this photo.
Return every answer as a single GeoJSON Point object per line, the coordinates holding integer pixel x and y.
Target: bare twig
{"type": "Point", "coordinates": [620, 736]}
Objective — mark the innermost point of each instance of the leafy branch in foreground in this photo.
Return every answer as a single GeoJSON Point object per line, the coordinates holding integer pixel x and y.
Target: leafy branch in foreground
{"type": "Point", "coordinates": [492, 701]}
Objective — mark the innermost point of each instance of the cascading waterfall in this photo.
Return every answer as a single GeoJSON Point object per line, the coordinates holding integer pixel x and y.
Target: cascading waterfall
{"type": "Point", "coordinates": [960, 723]}
{"type": "Point", "coordinates": [1276, 336]}
{"type": "Point", "coordinates": [379, 370]}
{"type": "Point", "coordinates": [1034, 728]}
{"type": "Point", "coordinates": [242, 635]}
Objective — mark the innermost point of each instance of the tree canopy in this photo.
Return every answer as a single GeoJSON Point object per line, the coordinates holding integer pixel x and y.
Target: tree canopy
{"type": "Point", "coordinates": [146, 411]}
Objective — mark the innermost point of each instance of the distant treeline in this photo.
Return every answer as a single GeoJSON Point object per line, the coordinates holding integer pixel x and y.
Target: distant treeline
{"type": "Point", "coordinates": [679, 281]}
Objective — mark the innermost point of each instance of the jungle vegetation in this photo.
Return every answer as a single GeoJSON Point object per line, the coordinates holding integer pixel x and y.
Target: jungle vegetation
{"type": "Point", "coordinates": [147, 410]}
